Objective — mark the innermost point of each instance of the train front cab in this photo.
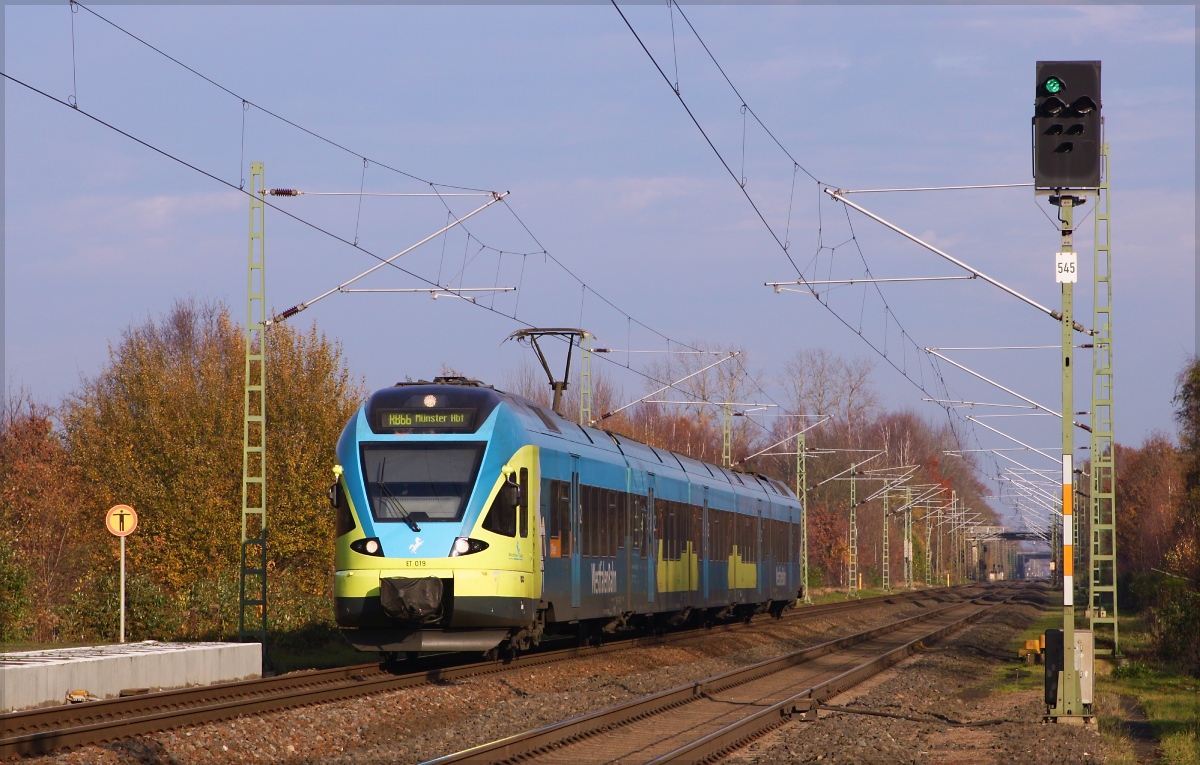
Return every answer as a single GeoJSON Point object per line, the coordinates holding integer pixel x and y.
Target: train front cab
{"type": "Point", "coordinates": [437, 533]}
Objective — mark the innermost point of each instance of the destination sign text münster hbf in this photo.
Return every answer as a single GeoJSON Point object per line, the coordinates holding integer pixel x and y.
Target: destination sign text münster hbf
{"type": "Point", "coordinates": [441, 419]}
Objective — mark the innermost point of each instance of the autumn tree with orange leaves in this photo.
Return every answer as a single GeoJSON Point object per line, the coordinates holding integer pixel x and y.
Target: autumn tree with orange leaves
{"type": "Point", "coordinates": [160, 428]}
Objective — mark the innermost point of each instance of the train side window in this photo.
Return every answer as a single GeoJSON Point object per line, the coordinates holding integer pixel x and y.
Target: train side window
{"type": "Point", "coordinates": [560, 519]}
{"type": "Point", "coordinates": [694, 533]}
{"type": "Point", "coordinates": [671, 536]}
{"type": "Point", "coordinates": [613, 518]}
{"type": "Point", "coordinates": [568, 533]}
{"type": "Point", "coordinates": [617, 506]}
{"type": "Point", "coordinates": [595, 516]}
{"type": "Point", "coordinates": [550, 500]}
{"type": "Point", "coordinates": [502, 515]}
{"type": "Point", "coordinates": [524, 508]}
{"type": "Point", "coordinates": [581, 499]}
{"type": "Point", "coordinates": [660, 528]}
{"type": "Point", "coordinates": [600, 511]}
{"type": "Point", "coordinates": [641, 526]}
{"type": "Point", "coordinates": [586, 527]}
{"type": "Point", "coordinates": [596, 519]}
{"type": "Point", "coordinates": [631, 522]}
{"type": "Point", "coordinates": [714, 533]}
{"type": "Point", "coordinates": [606, 518]}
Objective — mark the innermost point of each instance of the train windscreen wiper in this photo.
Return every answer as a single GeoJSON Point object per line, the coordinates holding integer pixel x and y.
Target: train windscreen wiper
{"type": "Point", "coordinates": [385, 494]}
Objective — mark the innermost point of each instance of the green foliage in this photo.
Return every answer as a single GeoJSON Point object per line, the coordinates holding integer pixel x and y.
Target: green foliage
{"type": "Point", "coordinates": [14, 597]}
{"type": "Point", "coordinates": [93, 612]}
{"type": "Point", "coordinates": [1173, 626]}
{"type": "Point", "coordinates": [1132, 670]}
{"type": "Point", "coordinates": [816, 577]}
{"type": "Point", "coordinates": [1181, 748]}
{"type": "Point", "coordinates": [160, 428]}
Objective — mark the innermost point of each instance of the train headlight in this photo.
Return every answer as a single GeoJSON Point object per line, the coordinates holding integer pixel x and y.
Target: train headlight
{"type": "Point", "coordinates": [368, 546]}
{"type": "Point", "coordinates": [467, 546]}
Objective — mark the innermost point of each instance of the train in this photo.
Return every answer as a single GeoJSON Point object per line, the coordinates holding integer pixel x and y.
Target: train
{"type": "Point", "coordinates": [470, 519]}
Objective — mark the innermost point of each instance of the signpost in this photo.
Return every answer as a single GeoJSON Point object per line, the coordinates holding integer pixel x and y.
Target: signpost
{"type": "Point", "coordinates": [121, 521]}
{"type": "Point", "coordinates": [1067, 144]}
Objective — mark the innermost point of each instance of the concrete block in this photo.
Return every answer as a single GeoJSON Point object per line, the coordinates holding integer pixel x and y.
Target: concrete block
{"type": "Point", "coordinates": [40, 678]}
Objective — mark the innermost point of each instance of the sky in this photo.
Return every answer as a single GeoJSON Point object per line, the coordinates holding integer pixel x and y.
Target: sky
{"type": "Point", "coordinates": [611, 185]}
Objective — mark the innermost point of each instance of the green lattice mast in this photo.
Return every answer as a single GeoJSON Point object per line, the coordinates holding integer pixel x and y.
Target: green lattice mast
{"type": "Point", "coordinates": [853, 532]}
{"type": "Point", "coordinates": [1102, 584]}
{"type": "Point", "coordinates": [252, 607]}
{"type": "Point", "coordinates": [887, 549]}
{"type": "Point", "coordinates": [802, 493]}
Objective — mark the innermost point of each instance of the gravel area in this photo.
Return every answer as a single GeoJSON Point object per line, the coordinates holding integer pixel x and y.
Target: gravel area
{"type": "Point", "coordinates": [956, 678]}
{"type": "Point", "coordinates": [417, 724]}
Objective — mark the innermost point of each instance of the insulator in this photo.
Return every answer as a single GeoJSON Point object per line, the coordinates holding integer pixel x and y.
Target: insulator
{"type": "Point", "coordinates": [284, 192]}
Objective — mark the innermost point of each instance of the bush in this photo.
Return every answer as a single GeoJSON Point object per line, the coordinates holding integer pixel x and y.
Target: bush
{"type": "Point", "coordinates": [93, 612]}
{"type": "Point", "coordinates": [14, 597]}
{"type": "Point", "coordinates": [1173, 625]}
{"type": "Point", "coordinates": [1132, 670]}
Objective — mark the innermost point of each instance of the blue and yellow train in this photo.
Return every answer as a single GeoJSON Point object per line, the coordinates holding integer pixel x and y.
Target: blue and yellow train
{"type": "Point", "coordinates": [469, 519]}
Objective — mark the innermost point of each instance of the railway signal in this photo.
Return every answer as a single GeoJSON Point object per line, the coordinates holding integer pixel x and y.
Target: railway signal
{"type": "Point", "coordinates": [1067, 125]}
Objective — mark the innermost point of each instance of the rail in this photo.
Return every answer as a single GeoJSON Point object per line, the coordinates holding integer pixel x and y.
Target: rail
{"type": "Point", "coordinates": [578, 731]}
{"type": "Point", "coordinates": [45, 729]}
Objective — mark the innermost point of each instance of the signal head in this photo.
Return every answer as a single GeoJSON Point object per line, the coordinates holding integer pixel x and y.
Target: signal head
{"type": "Point", "coordinates": [1051, 86]}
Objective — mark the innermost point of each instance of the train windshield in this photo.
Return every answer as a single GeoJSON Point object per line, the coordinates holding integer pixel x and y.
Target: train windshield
{"type": "Point", "coordinates": [420, 482]}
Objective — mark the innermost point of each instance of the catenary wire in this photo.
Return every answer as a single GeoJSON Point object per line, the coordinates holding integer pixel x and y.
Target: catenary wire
{"type": "Point", "coordinates": [302, 221]}
{"type": "Point", "coordinates": [434, 185]}
{"type": "Point", "coordinates": [366, 160]}
{"type": "Point", "coordinates": [267, 111]}
{"type": "Point", "coordinates": [934, 367]}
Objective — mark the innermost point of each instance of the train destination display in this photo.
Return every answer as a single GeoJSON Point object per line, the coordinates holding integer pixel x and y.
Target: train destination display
{"type": "Point", "coordinates": [441, 419]}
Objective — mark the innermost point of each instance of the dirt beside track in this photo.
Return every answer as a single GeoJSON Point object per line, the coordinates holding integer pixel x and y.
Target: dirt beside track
{"type": "Point", "coordinates": [960, 678]}
{"type": "Point", "coordinates": [417, 724]}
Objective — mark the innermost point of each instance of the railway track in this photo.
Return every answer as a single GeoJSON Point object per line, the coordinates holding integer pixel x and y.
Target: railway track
{"type": "Point", "coordinates": [704, 720]}
{"type": "Point", "coordinates": [46, 729]}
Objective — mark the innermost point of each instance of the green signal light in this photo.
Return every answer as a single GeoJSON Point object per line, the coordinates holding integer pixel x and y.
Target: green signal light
{"type": "Point", "coordinates": [1053, 85]}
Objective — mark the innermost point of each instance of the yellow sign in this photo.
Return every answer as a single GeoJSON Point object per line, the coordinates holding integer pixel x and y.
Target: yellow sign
{"type": "Point", "coordinates": [121, 520]}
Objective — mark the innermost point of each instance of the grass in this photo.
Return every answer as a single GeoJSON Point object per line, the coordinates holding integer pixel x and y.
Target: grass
{"type": "Point", "coordinates": [1170, 697]}
{"type": "Point", "coordinates": [1018, 676]}
{"type": "Point", "coordinates": [316, 646]}
{"type": "Point", "coordinates": [839, 595]}
{"type": "Point", "coordinates": [319, 657]}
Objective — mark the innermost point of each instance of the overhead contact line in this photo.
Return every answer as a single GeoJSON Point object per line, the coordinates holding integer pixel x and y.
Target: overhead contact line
{"type": "Point", "coordinates": [435, 187]}
{"type": "Point", "coordinates": [319, 229]}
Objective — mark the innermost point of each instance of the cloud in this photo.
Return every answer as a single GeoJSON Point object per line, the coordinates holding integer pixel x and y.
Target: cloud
{"type": "Point", "coordinates": [1132, 23]}
{"type": "Point", "coordinates": [960, 64]}
{"type": "Point", "coordinates": [122, 231]}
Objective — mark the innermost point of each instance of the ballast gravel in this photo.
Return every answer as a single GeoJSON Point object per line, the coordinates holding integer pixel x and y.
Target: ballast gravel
{"type": "Point", "coordinates": [416, 724]}
{"type": "Point", "coordinates": [958, 678]}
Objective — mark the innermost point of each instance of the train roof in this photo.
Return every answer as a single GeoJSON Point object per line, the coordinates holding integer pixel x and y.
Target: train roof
{"type": "Point", "coordinates": [462, 392]}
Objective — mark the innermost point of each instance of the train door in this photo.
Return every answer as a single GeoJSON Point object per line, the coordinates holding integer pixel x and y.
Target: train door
{"type": "Point", "coordinates": [541, 511]}
{"type": "Point", "coordinates": [652, 541]}
{"type": "Point", "coordinates": [626, 527]}
{"type": "Point", "coordinates": [759, 560]}
{"type": "Point", "coordinates": [575, 527]}
{"type": "Point", "coordinates": [791, 551]}
{"type": "Point", "coordinates": [704, 556]}
{"type": "Point", "coordinates": [529, 543]}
